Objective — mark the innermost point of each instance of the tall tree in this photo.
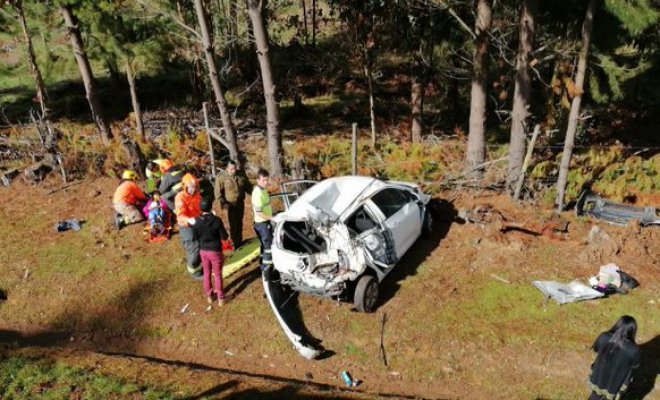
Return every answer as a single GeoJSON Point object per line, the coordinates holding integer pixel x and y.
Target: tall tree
{"type": "Point", "coordinates": [521, 95]}
{"type": "Point", "coordinates": [476, 138]}
{"type": "Point", "coordinates": [272, 108]}
{"type": "Point", "coordinates": [574, 114]}
{"type": "Point", "coordinates": [220, 101]}
{"type": "Point", "coordinates": [42, 95]}
{"type": "Point", "coordinates": [86, 72]}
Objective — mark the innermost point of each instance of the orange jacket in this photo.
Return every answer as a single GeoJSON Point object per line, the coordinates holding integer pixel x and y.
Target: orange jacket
{"type": "Point", "coordinates": [186, 207]}
{"type": "Point", "coordinates": [128, 192]}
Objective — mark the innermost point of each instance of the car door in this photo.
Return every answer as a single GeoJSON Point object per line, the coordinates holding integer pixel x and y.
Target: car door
{"type": "Point", "coordinates": [291, 190]}
{"type": "Point", "coordinates": [402, 216]}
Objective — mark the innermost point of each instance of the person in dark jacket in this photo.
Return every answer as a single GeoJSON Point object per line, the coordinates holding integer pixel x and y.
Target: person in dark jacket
{"type": "Point", "coordinates": [209, 231]}
{"type": "Point", "coordinates": [618, 356]}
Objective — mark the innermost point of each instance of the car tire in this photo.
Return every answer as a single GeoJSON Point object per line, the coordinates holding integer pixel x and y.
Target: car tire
{"type": "Point", "coordinates": [427, 223]}
{"type": "Point", "coordinates": [366, 294]}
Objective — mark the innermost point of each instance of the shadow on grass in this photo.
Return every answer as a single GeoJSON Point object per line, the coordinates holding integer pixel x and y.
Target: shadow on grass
{"type": "Point", "coordinates": [115, 320]}
{"type": "Point", "coordinates": [647, 374]}
{"type": "Point", "coordinates": [444, 215]}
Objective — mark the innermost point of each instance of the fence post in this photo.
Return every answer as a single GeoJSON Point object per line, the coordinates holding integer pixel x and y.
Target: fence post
{"type": "Point", "coordinates": [354, 150]}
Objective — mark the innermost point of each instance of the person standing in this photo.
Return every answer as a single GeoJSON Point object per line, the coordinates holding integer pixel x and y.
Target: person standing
{"type": "Point", "coordinates": [231, 186]}
{"type": "Point", "coordinates": [187, 207]}
{"type": "Point", "coordinates": [263, 215]}
{"type": "Point", "coordinates": [209, 231]}
{"type": "Point", "coordinates": [128, 200]}
{"type": "Point", "coordinates": [618, 356]}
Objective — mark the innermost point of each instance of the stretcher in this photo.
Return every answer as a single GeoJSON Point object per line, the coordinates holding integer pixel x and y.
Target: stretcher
{"type": "Point", "coordinates": [241, 257]}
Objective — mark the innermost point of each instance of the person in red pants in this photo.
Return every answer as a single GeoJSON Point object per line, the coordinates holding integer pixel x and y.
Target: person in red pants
{"type": "Point", "coordinates": [209, 232]}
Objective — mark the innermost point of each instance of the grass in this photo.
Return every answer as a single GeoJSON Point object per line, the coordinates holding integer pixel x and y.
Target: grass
{"type": "Point", "coordinates": [23, 378]}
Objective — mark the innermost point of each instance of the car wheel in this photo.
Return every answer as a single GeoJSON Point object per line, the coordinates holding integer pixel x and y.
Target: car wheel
{"type": "Point", "coordinates": [366, 294]}
{"type": "Point", "coordinates": [427, 223]}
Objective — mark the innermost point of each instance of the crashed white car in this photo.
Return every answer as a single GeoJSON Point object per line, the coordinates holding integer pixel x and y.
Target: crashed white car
{"type": "Point", "coordinates": [342, 236]}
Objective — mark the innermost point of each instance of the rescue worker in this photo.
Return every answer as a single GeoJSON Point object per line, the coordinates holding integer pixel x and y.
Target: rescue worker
{"type": "Point", "coordinates": [231, 186]}
{"type": "Point", "coordinates": [153, 174]}
{"type": "Point", "coordinates": [128, 200]}
{"type": "Point", "coordinates": [188, 207]}
{"type": "Point", "coordinates": [263, 215]}
{"type": "Point", "coordinates": [170, 183]}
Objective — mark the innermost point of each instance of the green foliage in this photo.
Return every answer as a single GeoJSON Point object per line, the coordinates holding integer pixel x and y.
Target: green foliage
{"type": "Point", "coordinates": [29, 379]}
{"type": "Point", "coordinates": [635, 16]}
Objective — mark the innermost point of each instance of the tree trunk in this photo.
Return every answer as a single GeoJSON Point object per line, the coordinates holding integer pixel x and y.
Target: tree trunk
{"type": "Point", "coordinates": [130, 76]}
{"type": "Point", "coordinates": [417, 100]}
{"type": "Point", "coordinates": [220, 101]}
{"type": "Point", "coordinates": [575, 105]}
{"type": "Point", "coordinates": [476, 139]}
{"type": "Point", "coordinates": [368, 74]}
{"type": "Point", "coordinates": [313, 22]}
{"type": "Point", "coordinates": [272, 108]}
{"type": "Point", "coordinates": [86, 73]}
{"type": "Point", "coordinates": [521, 95]}
{"type": "Point", "coordinates": [303, 4]}
{"type": "Point", "coordinates": [34, 67]}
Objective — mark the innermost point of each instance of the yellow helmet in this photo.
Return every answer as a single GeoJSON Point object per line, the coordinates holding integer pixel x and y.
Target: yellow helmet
{"type": "Point", "coordinates": [129, 175]}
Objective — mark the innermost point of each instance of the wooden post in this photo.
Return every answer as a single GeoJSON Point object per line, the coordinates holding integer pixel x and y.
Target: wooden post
{"type": "Point", "coordinates": [528, 158]}
{"type": "Point", "coordinates": [354, 150]}
{"type": "Point", "coordinates": [208, 137]}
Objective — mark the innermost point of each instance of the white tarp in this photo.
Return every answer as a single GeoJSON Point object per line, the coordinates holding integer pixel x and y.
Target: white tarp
{"type": "Point", "coordinates": [567, 293]}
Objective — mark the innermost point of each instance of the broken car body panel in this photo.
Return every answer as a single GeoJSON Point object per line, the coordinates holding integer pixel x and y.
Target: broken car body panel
{"type": "Point", "coordinates": [614, 213]}
{"type": "Point", "coordinates": [340, 227]}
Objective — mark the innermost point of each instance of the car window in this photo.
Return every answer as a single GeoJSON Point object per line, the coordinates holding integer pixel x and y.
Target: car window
{"type": "Point", "coordinates": [390, 201]}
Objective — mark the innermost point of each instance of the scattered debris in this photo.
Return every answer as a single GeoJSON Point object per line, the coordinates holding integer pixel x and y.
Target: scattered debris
{"type": "Point", "coordinates": [26, 273]}
{"type": "Point", "coordinates": [209, 308]}
{"type": "Point", "coordinates": [185, 308]}
{"type": "Point", "coordinates": [612, 280]}
{"type": "Point", "coordinates": [614, 213]}
{"type": "Point", "coordinates": [348, 380]}
{"type": "Point", "coordinates": [499, 278]}
{"type": "Point", "coordinates": [229, 353]}
{"type": "Point", "coordinates": [567, 293]}
{"type": "Point", "coordinates": [74, 224]}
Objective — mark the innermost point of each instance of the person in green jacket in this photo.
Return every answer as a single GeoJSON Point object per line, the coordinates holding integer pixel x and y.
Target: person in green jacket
{"type": "Point", "coordinates": [231, 187]}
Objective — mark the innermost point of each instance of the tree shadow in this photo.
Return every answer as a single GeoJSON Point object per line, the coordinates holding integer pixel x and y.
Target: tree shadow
{"type": "Point", "coordinates": [444, 215]}
{"type": "Point", "coordinates": [214, 391]}
{"type": "Point", "coordinates": [647, 373]}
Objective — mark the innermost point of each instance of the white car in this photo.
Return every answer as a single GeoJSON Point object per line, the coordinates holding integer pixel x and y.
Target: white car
{"type": "Point", "coordinates": [342, 236]}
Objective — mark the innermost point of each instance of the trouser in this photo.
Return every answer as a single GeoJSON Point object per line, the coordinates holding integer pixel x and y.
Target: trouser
{"type": "Point", "coordinates": [235, 213]}
{"type": "Point", "coordinates": [264, 232]}
{"type": "Point", "coordinates": [130, 212]}
{"type": "Point", "coordinates": [212, 264]}
{"type": "Point", "coordinates": [191, 247]}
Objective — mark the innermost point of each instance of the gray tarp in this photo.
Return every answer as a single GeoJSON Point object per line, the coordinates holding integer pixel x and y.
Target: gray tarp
{"type": "Point", "coordinates": [567, 292]}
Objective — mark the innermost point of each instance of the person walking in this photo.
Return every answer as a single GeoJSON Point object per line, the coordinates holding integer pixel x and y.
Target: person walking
{"type": "Point", "coordinates": [618, 356]}
{"type": "Point", "coordinates": [231, 186]}
{"type": "Point", "coordinates": [209, 231]}
{"type": "Point", "coordinates": [127, 200]}
{"type": "Point", "coordinates": [263, 215]}
{"type": "Point", "coordinates": [187, 207]}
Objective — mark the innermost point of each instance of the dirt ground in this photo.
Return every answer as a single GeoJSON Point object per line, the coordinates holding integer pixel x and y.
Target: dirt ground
{"type": "Point", "coordinates": [461, 318]}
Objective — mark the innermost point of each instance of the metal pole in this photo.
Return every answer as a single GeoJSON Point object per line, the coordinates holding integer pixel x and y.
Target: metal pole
{"type": "Point", "coordinates": [354, 150]}
{"type": "Point", "coordinates": [208, 137]}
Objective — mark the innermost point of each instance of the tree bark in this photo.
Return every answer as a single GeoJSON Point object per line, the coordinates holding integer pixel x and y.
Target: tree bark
{"type": "Point", "coordinates": [521, 95]}
{"type": "Point", "coordinates": [34, 67]}
{"type": "Point", "coordinates": [272, 108]}
{"type": "Point", "coordinates": [220, 101]}
{"type": "Point", "coordinates": [86, 73]}
{"type": "Point", "coordinates": [313, 22]}
{"type": "Point", "coordinates": [476, 140]}
{"type": "Point", "coordinates": [368, 73]}
{"type": "Point", "coordinates": [574, 114]}
{"type": "Point", "coordinates": [417, 98]}
{"type": "Point", "coordinates": [303, 4]}
{"type": "Point", "coordinates": [130, 76]}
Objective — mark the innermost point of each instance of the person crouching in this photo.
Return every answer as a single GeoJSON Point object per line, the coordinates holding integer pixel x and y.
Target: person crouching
{"type": "Point", "coordinates": [128, 200]}
{"type": "Point", "coordinates": [209, 231]}
{"type": "Point", "coordinates": [187, 207]}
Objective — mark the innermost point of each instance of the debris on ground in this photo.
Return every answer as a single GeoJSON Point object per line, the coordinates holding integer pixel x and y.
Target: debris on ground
{"type": "Point", "coordinates": [611, 279]}
{"type": "Point", "coordinates": [185, 308]}
{"type": "Point", "coordinates": [486, 215]}
{"type": "Point", "coordinates": [73, 224]}
{"type": "Point", "coordinates": [564, 293]}
{"type": "Point", "coordinates": [615, 213]}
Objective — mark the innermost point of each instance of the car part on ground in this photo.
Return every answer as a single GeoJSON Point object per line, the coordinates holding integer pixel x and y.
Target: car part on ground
{"type": "Point", "coordinates": [286, 310]}
{"type": "Point", "coordinates": [614, 213]}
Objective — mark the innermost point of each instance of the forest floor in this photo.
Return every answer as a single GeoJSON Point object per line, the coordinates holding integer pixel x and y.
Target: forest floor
{"type": "Point", "coordinates": [462, 319]}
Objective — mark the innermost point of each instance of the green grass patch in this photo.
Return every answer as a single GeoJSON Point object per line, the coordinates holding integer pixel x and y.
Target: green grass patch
{"type": "Point", "coordinates": [22, 378]}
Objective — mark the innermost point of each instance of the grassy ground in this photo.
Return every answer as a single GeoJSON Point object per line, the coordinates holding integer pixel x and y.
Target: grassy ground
{"type": "Point", "coordinates": [453, 328]}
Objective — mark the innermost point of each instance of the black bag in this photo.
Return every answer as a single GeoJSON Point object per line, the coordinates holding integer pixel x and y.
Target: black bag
{"type": "Point", "coordinates": [627, 281]}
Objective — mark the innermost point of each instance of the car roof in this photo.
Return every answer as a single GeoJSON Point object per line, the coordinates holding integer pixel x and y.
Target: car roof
{"type": "Point", "coordinates": [334, 195]}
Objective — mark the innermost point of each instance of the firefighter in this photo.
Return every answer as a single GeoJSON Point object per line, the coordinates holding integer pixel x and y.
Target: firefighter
{"type": "Point", "coordinates": [128, 200]}
{"type": "Point", "coordinates": [188, 207]}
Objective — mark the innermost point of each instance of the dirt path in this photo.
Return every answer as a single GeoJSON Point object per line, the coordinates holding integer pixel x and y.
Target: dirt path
{"type": "Point", "coordinates": [463, 320]}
